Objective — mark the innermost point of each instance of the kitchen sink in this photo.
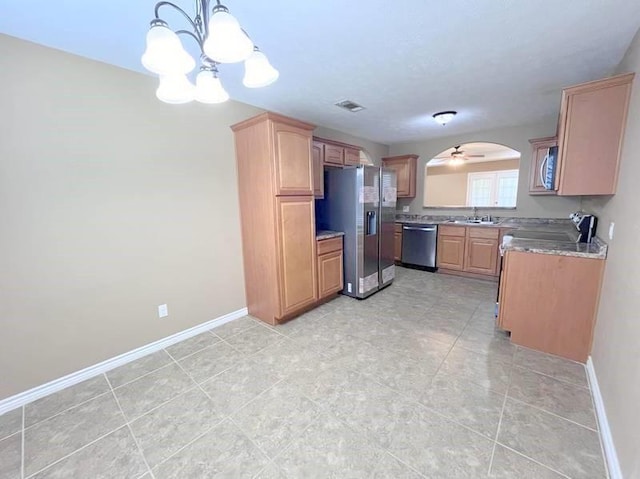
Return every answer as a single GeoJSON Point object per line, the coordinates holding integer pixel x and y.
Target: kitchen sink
{"type": "Point", "coordinates": [474, 222]}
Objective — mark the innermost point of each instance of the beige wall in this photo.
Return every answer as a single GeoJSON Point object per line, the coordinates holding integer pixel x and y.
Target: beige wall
{"type": "Point", "coordinates": [446, 185]}
{"type": "Point", "coordinates": [616, 347]}
{"type": "Point", "coordinates": [111, 203]}
{"type": "Point", "coordinates": [513, 137]}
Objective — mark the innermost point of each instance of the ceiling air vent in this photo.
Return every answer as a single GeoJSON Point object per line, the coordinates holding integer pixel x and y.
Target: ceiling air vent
{"type": "Point", "coordinates": [350, 106]}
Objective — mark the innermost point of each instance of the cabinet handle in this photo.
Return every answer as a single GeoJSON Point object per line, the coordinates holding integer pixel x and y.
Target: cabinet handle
{"type": "Point", "coordinates": [543, 180]}
{"type": "Point", "coordinates": [417, 229]}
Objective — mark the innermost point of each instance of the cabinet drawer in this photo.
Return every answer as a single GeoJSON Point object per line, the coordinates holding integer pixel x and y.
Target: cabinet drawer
{"type": "Point", "coordinates": [329, 245]}
{"type": "Point", "coordinates": [483, 232]}
{"type": "Point", "coordinates": [452, 230]}
{"type": "Point", "coordinates": [398, 228]}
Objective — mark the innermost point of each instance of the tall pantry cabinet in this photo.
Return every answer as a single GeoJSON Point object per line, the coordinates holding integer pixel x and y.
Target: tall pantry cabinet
{"type": "Point", "coordinates": [275, 183]}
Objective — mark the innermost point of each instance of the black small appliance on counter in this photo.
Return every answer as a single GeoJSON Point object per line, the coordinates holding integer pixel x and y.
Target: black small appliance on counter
{"type": "Point", "coordinates": [586, 226]}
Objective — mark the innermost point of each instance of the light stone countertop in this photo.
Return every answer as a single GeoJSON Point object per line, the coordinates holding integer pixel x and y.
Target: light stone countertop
{"type": "Point", "coordinates": [327, 234]}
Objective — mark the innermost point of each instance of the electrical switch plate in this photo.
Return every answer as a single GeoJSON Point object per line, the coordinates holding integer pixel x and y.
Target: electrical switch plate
{"type": "Point", "coordinates": [611, 226]}
{"type": "Point", "coordinates": [163, 311]}
{"type": "Point", "coordinates": [405, 209]}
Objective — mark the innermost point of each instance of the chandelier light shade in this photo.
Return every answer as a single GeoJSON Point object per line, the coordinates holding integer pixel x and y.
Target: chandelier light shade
{"type": "Point", "coordinates": [227, 42]}
{"type": "Point", "coordinates": [444, 117]}
{"type": "Point", "coordinates": [209, 88]}
{"type": "Point", "coordinates": [175, 89]}
{"type": "Point", "coordinates": [258, 72]}
{"type": "Point", "coordinates": [220, 38]}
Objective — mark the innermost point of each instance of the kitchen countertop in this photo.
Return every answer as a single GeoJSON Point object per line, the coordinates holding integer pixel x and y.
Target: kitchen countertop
{"type": "Point", "coordinates": [327, 234]}
{"type": "Point", "coordinates": [597, 249]}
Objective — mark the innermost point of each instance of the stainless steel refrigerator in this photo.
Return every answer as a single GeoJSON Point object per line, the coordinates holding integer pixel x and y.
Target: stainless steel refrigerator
{"type": "Point", "coordinates": [361, 201]}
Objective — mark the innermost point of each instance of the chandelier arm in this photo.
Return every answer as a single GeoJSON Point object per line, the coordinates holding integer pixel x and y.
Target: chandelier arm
{"type": "Point", "coordinates": [192, 35]}
{"type": "Point", "coordinates": [184, 14]}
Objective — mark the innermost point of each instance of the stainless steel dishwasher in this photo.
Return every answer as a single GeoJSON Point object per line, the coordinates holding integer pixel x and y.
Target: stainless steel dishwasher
{"type": "Point", "coordinates": [419, 244]}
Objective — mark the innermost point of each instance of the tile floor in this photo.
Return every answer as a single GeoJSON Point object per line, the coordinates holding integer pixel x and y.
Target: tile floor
{"type": "Point", "coordinates": [414, 382]}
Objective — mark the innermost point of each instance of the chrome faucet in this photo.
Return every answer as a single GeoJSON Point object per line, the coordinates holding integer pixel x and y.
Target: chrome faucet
{"type": "Point", "coordinates": [475, 212]}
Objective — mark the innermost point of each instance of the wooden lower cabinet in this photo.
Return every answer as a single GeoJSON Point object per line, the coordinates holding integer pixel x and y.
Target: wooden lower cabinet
{"type": "Point", "coordinates": [549, 302]}
{"type": "Point", "coordinates": [471, 249]}
{"type": "Point", "coordinates": [296, 253]}
{"type": "Point", "coordinates": [451, 252]}
{"type": "Point", "coordinates": [330, 267]}
{"type": "Point", "coordinates": [397, 245]}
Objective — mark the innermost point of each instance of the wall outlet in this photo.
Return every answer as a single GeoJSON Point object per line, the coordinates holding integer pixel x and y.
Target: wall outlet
{"type": "Point", "coordinates": [405, 209]}
{"type": "Point", "coordinates": [163, 311]}
{"type": "Point", "coordinates": [611, 227]}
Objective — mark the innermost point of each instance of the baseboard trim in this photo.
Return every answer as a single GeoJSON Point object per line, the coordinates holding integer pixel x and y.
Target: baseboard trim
{"type": "Point", "coordinates": [605, 431]}
{"type": "Point", "coordinates": [38, 392]}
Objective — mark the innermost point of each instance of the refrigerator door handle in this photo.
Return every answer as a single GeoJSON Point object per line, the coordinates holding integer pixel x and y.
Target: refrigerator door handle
{"type": "Point", "coordinates": [413, 228]}
{"type": "Point", "coordinates": [372, 223]}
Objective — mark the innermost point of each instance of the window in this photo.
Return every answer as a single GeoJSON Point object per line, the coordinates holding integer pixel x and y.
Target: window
{"type": "Point", "coordinates": [492, 188]}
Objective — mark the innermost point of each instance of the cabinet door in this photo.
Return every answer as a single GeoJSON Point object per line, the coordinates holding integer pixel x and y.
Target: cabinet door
{"type": "Point", "coordinates": [351, 157]}
{"type": "Point", "coordinates": [481, 256]}
{"type": "Point", "coordinates": [451, 252]}
{"type": "Point", "coordinates": [590, 136]}
{"type": "Point", "coordinates": [540, 150]}
{"type": "Point", "coordinates": [405, 168]}
{"type": "Point", "coordinates": [292, 155]}
{"type": "Point", "coordinates": [318, 169]}
{"type": "Point", "coordinates": [397, 247]}
{"type": "Point", "coordinates": [296, 253]}
{"type": "Point", "coordinates": [333, 155]}
{"type": "Point", "coordinates": [330, 276]}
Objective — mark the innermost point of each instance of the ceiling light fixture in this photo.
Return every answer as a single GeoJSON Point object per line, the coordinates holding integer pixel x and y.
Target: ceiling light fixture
{"type": "Point", "coordinates": [220, 38]}
{"type": "Point", "coordinates": [444, 117]}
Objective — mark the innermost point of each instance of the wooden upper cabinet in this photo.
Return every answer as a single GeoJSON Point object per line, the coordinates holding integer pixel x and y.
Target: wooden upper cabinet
{"type": "Point", "coordinates": [295, 230]}
{"type": "Point", "coordinates": [593, 118]}
{"type": "Point", "coordinates": [333, 155]}
{"type": "Point", "coordinates": [292, 155]}
{"type": "Point", "coordinates": [351, 157]}
{"type": "Point", "coordinates": [318, 169]}
{"type": "Point", "coordinates": [540, 151]}
{"type": "Point", "coordinates": [406, 170]}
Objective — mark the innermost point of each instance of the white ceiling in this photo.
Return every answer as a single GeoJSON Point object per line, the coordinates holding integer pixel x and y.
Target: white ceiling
{"type": "Point", "coordinates": [497, 62]}
{"type": "Point", "coordinates": [491, 152]}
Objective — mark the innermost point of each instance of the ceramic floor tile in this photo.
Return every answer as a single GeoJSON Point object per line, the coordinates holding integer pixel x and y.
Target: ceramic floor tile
{"type": "Point", "coordinates": [559, 397]}
{"type": "Point", "coordinates": [550, 440]}
{"type": "Point", "coordinates": [478, 368]}
{"type": "Point", "coordinates": [210, 361]}
{"type": "Point", "coordinates": [495, 345]}
{"type": "Point", "coordinates": [57, 402]}
{"type": "Point", "coordinates": [140, 396]}
{"type": "Point", "coordinates": [114, 456]}
{"type": "Point", "coordinates": [133, 370]}
{"type": "Point", "coordinates": [54, 438]}
{"type": "Point", "coordinates": [234, 327]}
{"type": "Point", "coordinates": [11, 456]}
{"type": "Point", "coordinates": [165, 430]}
{"type": "Point", "coordinates": [391, 468]}
{"type": "Point", "coordinates": [192, 345]}
{"type": "Point", "coordinates": [235, 387]}
{"type": "Point", "coordinates": [362, 403]}
{"type": "Point", "coordinates": [508, 465]}
{"type": "Point", "coordinates": [287, 357]}
{"type": "Point", "coordinates": [553, 366]}
{"type": "Point", "coordinates": [471, 405]}
{"type": "Point", "coordinates": [271, 471]}
{"type": "Point", "coordinates": [276, 418]}
{"type": "Point", "coordinates": [438, 448]}
{"type": "Point", "coordinates": [254, 339]}
{"type": "Point", "coordinates": [329, 449]}
{"type": "Point", "coordinates": [10, 422]}
{"type": "Point", "coordinates": [222, 453]}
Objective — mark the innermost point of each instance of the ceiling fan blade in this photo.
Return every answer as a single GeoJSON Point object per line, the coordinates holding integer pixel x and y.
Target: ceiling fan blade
{"type": "Point", "coordinates": [474, 156]}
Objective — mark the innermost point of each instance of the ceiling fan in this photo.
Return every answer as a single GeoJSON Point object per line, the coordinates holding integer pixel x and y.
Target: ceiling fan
{"type": "Point", "coordinates": [457, 156]}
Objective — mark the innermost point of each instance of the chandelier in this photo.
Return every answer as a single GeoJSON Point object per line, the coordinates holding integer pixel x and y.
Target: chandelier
{"type": "Point", "coordinates": [220, 38]}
